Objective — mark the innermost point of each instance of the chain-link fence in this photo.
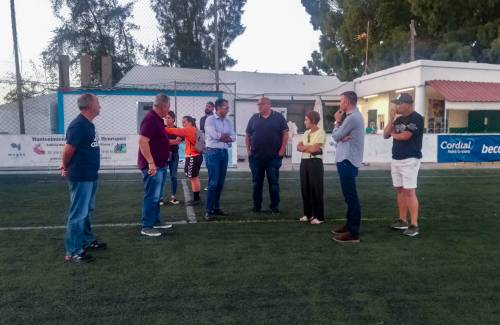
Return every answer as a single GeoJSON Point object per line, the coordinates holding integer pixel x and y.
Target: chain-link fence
{"type": "Point", "coordinates": [46, 118]}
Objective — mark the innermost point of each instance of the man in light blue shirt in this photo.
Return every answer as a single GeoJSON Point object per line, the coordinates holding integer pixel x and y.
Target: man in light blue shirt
{"type": "Point", "coordinates": [219, 136]}
{"type": "Point", "coordinates": [349, 133]}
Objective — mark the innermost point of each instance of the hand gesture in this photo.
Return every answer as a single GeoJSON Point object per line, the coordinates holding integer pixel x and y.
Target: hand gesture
{"type": "Point", "coordinates": [339, 116]}
{"type": "Point", "coordinates": [392, 114]}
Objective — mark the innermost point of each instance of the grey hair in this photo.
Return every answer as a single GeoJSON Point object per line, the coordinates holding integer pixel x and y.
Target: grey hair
{"type": "Point", "coordinates": [84, 101]}
{"type": "Point", "coordinates": [161, 99]}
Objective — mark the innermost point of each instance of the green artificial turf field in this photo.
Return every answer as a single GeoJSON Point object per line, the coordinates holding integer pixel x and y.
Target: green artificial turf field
{"type": "Point", "coordinates": [256, 268]}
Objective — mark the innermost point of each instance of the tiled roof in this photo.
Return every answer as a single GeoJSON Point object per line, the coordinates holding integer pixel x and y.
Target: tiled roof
{"type": "Point", "coordinates": [467, 91]}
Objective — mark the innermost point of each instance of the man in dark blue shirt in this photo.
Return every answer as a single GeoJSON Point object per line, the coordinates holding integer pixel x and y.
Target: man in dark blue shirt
{"type": "Point", "coordinates": [407, 133]}
{"type": "Point", "coordinates": [80, 164]}
{"type": "Point", "coordinates": [266, 139]}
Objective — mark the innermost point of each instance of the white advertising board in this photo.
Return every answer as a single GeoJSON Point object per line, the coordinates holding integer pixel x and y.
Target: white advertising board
{"type": "Point", "coordinates": [17, 151]}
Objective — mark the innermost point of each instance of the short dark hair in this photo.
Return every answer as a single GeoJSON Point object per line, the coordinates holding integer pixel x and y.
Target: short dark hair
{"type": "Point", "coordinates": [171, 114]}
{"type": "Point", "coordinates": [313, 116]}
{"type": "Point", "coordinates": [351, 96]}
{"type": "Point", "coordinates": [220, 102]}
{"type": "Point", "coordinates": [191, 120]}
{"type": "Point", "coordinates": [211, 104]}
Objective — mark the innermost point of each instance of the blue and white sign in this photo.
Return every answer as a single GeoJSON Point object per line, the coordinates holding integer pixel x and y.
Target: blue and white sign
{"type": "Point", "coordinates": [468, 148]}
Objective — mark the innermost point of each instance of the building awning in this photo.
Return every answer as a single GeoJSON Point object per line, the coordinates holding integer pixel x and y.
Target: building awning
{"type": "Point", "coordinates": [467, 91]}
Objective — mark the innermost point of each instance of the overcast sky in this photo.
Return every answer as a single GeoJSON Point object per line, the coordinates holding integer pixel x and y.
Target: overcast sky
{"type": "Point", "coordinates": [278, 36]}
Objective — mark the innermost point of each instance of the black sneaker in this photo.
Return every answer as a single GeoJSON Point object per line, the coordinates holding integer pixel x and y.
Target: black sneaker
{"type": "Point", "coordinates": [193, 203]}
{"type": "Point", "coordinates": [79, 258]}
{"type": "Point", "coordinates": [209, 216]}
{"type": "Point", "coordinates": [95, 245]}
{"type": "Point", "coordinates": [274, 210]}
{"type": "Point", "coordinates": [412, 231]}
{"type": "Point", "coordinates": [219, 212]}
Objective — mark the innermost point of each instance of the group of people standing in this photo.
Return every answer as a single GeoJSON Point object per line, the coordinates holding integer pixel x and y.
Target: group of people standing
{"type": "Point", "coordinates": [265, 140]}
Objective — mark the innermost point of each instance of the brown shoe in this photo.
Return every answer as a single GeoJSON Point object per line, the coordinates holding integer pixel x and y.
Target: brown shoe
{"type": "Point", "coordinates": [346, 238]}
{"type": "Point", "coordinates": [341, 230]}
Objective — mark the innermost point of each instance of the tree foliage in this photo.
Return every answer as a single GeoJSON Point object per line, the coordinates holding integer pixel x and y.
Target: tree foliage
{"type": "Point", "coordinates": [187, 32]}
{"type": "Point", "coordinates": [452, 30]}
{"type": "Point", "coordinates": [97, 28]}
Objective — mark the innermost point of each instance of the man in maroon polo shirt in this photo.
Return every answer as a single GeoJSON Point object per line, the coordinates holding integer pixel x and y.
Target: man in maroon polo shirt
{"type": "Point", "coordinates": [153, 156]}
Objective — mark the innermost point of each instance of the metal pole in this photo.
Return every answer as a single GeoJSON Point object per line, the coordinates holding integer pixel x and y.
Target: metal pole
{"type": "Point", "coordinates": [175, 97]}
{"type": "Point", "coordinates": [19, 90]}
{"type": "Point", "coordinates": [412, 40]}
{"type": "Point", "coordinates": [216, 50]}
{"type": "Point", "coordinates": [366, 55]}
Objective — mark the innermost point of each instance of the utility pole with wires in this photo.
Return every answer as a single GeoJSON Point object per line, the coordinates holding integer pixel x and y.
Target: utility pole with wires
{"type": "Point", "coordinates": [216, 39]}
{"type": "Point", "coordinates": [413, 33]}
{"type": "Point", "coordinates": [19, 89]}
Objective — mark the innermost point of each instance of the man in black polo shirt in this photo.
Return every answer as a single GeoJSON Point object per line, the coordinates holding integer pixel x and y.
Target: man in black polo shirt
{"type": "Point", "coordinates": [266, 139]}
{"type": "Point", "coordinates": [407, 133]}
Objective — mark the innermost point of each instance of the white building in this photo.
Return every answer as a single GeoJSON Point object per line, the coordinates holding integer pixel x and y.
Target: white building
{"type": "Point", "coordinates": [454, 97]}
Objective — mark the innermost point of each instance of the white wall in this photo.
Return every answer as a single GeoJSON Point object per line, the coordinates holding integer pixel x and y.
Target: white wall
{"type": "Point", "coordinates": [377, 149]}
{"type": "Point", "coordinates": [36, 116]}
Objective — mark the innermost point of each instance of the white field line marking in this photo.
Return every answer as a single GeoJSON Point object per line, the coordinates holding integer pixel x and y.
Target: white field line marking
{"type": "Point", "coordinates": [297, 178]}
{"type": "Point", "coordinates": [183, 222]}
{"type": "Point", "coordinates": [189, 210]}
{"type": "Point", "coordinates": [104, 225]}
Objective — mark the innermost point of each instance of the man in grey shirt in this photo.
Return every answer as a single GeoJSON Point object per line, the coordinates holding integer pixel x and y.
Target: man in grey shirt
{"type": "Point", "coordinates": [349, 133]}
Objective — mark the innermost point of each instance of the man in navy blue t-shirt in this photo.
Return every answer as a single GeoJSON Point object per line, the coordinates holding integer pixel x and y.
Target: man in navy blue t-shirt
{"type": "Point", "coordinates": [266, 139]}
{"type": "Point", "coordinates": [80, 164]}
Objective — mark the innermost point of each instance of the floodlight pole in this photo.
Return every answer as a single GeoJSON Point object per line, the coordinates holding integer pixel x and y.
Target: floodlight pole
{"type": "Point", "coordinates": [216, 50]}
{"type": "Point", "coordinates": [19, 89]}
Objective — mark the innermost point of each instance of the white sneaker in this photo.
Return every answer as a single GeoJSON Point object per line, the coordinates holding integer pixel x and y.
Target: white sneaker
{"type": "Point", "coordinates": [151, 232]}
{"type": "Point", "coordinates": [174, 201]}
{"type": "Point", "coordinates": [304, 219]}
{"type": "Point", "coordinates": [315, 221]}
{"type": "Point", "coordinates": [163, 225]}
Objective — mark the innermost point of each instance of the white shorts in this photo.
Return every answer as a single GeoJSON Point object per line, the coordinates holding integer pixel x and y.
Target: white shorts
{"type": "Point", "coordinates": [404, 172]}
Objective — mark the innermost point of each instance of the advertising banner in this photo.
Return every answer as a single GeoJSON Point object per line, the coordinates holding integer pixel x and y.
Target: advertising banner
{"type": "Point", "coordinates": [45, 150]}
{"type": "Point", "coordinates": [468, 148]}
{"type": "Point", "coordinates": [18, 151]}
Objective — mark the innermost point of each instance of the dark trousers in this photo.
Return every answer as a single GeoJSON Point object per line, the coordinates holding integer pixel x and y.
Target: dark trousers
{"type": "Point", "coordinates": [217, 160]}
{"type": "Point", "coordinates": [347, 174]}
{"type": "Point", "coordinates": [311, 184]}
{"type": "Point", "coordinates": [260, 168]}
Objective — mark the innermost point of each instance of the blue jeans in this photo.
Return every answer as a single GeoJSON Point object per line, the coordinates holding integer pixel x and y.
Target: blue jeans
{"type": "Point", "coordinates": [347, 174]}
{"type": "Point", "coordinates": [172, 165]}
{"type": "Point", "coordinates": [82, 203]}
{"type": "Point", "coordinates": [151, 205]}
{"type": "Point", "coordinates": [217, 160]}
{"type": "Point", "coordinates": [260, 168]}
